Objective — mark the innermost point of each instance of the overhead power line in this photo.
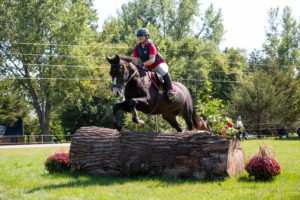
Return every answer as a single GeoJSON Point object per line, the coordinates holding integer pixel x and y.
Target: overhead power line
{"type": "Point", "coordinates": [103, 79]}
{"type": "Point", "coordinates": [108, 67]}
{"type": "Point", "coordinates": [113, 47]}
{"type": "Point", "coordinates": [102, 57]}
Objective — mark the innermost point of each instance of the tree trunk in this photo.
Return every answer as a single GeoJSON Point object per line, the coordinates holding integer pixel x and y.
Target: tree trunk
{"type": "Point", "coordinates": [203, 155]}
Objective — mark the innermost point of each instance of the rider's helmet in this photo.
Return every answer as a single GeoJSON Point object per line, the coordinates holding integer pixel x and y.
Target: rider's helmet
{"type": "Point", "coordinates": [142, 31]}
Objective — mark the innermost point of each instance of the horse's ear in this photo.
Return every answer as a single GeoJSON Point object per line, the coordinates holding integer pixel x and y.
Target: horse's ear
{"type": "Point", "coordinates": [109, 59]}
{"type": "Point", "coordinates": [118, 58]}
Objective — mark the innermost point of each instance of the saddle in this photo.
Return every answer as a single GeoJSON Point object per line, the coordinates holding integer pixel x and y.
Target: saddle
{"type": "Point", "coordinates": [158, 82]}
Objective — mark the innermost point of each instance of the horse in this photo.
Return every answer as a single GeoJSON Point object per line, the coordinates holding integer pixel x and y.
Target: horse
{"type": "Point", "coordinates": [142, 95]}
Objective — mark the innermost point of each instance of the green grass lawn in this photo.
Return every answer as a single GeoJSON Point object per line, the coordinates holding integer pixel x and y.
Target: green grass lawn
{"type": "Point", "coordinates": [23, 176]}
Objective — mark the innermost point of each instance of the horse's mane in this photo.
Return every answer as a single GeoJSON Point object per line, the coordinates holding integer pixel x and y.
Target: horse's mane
{"type": "Point", "coordinates": [127, 59]}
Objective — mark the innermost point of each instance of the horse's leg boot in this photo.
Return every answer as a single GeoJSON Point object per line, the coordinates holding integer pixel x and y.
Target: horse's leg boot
{"type": "Point", "coordinates": [168, 82]}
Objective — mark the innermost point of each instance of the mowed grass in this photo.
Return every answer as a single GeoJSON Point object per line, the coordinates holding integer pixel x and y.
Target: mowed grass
{"type": "Point", "coordinates": [23, 176]}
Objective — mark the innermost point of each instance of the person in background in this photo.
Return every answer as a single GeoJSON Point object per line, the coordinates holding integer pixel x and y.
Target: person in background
{"type": "Point", "coordinates": [282, 131]}
{"type": "Point", "coordinates": [241, 127]}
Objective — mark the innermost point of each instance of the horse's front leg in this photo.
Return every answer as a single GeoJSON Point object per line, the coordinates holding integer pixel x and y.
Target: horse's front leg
{"type": "Point", "coordinates": [140, 102]}
{"type": "Point", "coordinates": [122, 106]}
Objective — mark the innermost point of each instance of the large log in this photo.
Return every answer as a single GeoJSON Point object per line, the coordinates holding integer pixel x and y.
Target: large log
{"type": "Point", "coordinates": [203, 155]}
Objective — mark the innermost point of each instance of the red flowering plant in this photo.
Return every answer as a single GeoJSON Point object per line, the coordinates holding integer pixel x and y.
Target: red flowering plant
{"type": "Point", "coordinates": [58, 162]}
{"type": "Point", "coordinates": [263, 166]}
{"type": "Point", "coordinates": [227, 130]}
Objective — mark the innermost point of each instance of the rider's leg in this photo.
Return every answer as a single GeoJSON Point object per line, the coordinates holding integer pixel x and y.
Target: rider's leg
{"type": "Point", "coordinates": [162, 69]}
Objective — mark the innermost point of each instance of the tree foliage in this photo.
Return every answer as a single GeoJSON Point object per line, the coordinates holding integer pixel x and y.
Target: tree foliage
{"type": "Point", "coordinates": [54, 26]}
{"type": "Point", "coordinates": [12, 104]}
{"type": "Point", "coordinates": [55, 51]}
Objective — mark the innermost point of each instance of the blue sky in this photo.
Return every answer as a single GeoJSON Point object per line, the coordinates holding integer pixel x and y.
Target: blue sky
{"type": "Point", "coordinates": [244, 20]}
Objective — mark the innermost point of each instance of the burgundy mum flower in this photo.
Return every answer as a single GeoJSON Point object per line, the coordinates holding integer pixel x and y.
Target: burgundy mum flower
{"type": "Point", "coordinates": [263, 166]}
{"type": "Point", "coordinates": [57, 162]}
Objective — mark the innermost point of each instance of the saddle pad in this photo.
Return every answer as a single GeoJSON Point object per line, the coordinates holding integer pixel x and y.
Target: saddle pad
{"type": "Point", "coordinates": [158, 84]}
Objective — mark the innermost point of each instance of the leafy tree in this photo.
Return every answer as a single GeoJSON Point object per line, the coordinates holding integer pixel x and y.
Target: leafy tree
{"type": "Point", "coordinates": [282, 38]}
{"type": "Point", "coordinates": [184, 17]}
{"type": "Point", "coordinates": [12, 105]}
{"type": "Point", "coordinates": [25, 23]}
{"type": "Point", "coordinates": [170, 17]}
{"type": "Point", "coordinates": [84, 112]}
{"type": "Point", "coordinates": [212, 30]}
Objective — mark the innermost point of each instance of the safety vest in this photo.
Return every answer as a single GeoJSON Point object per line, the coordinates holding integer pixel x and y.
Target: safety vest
{"type": "Point", "coordinates": [143, 53]}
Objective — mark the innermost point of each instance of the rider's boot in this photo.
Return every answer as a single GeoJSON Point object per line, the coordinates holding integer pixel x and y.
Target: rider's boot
{"type": "Point", "coordinates": [168, 82]}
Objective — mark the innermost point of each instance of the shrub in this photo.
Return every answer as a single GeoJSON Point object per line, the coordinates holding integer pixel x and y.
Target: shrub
{"type": "Point", "coordinates": [263, 166]}
{"type": "Point", "coordinates": [57, 162]}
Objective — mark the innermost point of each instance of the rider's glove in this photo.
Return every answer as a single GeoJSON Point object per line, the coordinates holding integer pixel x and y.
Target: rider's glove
{"type": "Point", "coordinates": [140, 66]}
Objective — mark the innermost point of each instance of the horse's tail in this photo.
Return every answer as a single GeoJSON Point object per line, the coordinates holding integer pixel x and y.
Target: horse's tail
{"type": "Point", "coordinates": [200, 122]}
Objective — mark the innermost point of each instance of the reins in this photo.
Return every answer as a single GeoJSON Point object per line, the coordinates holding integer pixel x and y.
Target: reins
{"type": "Point", "coordinates": [129, 79]}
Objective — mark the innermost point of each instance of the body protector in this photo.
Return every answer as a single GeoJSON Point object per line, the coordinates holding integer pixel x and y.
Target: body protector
{"type": "Point", "coordinates": [143, 53]}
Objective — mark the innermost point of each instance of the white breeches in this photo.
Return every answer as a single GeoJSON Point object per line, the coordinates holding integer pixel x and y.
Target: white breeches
{"type": "Point", "coordinates": [162, 69]}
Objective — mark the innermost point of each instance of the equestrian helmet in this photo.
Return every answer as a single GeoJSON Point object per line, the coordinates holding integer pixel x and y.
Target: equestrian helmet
{"type": "Point", "coordinates": [142, 31]}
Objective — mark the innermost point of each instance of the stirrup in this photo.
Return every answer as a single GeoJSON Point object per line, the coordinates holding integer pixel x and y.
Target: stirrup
{"type": "Point", "coordinates": [171, 95]}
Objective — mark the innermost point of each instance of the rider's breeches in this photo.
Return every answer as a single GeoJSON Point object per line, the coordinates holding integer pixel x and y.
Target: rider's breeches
{"type": "Point", "coordinates": [162, 69]}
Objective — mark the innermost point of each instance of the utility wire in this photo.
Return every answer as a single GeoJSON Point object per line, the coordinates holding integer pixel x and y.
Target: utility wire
{"type": "Point", "coordinates": [110, 47]}
{"type": "Point", "coordinates": [103, 79]}
{"type": "Point", "coordinates": [101, 57]}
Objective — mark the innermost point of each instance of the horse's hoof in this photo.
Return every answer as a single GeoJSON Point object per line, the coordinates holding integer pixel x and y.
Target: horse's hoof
{"type": "Point", "coordinates": [141, 123]}
{"type": "Point", "coordinates": [122, 131]}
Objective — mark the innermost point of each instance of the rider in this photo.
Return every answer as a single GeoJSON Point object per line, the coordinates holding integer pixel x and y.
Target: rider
{"type": "Point", "coordinates": [151, 59]}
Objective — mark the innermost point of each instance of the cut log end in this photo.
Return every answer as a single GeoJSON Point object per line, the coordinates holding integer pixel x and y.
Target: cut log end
{"type": "Point", "coordinates": [199, 154]}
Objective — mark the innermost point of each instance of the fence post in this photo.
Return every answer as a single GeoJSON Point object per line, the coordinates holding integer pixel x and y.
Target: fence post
{"type": "Point", "coordinates": [156, 124]}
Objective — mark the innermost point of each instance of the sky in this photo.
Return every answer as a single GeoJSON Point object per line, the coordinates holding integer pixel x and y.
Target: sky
{"type": "Point", "coordinates": [244, 20]}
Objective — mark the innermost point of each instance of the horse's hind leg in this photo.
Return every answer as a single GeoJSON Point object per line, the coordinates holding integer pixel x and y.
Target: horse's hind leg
{"type": "Point", "coordinates": [171, 118]}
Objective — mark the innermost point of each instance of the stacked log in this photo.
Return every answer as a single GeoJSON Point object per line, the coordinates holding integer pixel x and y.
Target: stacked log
{"type": "Point", "coordinates": [200, 154]}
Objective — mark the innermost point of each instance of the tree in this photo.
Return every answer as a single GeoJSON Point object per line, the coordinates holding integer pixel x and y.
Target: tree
{"type": "Point", "coordinates": [265, 99]}
{"type": "Point", "coordinates": [170, 17]}
{"type": "Point", "coordinates": [12, 105]}
{"type": "Point", "coordinates": [184, 17]}
{"type": "Point", "coordinates": [212, 30]}
{"type": "Point", "coordinates": [36, 39]}
{"type": "Point", "coordinates": [282, 38]}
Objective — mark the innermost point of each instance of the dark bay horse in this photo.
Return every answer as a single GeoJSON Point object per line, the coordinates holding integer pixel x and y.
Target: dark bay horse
{"type": "Point", "coordinates": [141, 94]}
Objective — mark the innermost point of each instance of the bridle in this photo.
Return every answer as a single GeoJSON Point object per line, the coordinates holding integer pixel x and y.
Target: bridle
{"type": "Point", "coordinates": [122, 86]}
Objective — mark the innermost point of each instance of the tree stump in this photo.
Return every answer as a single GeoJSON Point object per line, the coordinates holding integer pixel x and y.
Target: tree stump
{"type": "Point", "coordinates": [200, 154]}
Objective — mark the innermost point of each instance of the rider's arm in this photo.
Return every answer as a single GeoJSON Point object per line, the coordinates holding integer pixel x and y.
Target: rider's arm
{"type": "Point", "coordinates": [135, 60]}
{"type": "Point", "coordinates": [150, 61]}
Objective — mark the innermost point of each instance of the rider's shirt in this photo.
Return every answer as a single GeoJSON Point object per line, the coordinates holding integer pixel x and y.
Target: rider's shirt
{"type": "Point", "coordinates": [144, 54]}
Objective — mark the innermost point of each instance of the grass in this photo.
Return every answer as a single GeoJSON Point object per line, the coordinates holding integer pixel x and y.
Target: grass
{"type": "Point", "coordinates": [23, 176]}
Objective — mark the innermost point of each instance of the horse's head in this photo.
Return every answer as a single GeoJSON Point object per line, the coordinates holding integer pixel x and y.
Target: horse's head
{"type": "Point", "coordinates": [121, 72]}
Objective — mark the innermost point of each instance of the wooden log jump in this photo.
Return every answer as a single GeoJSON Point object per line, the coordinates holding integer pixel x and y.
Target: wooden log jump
{"type": "Point", "coordinates": [102, 151]}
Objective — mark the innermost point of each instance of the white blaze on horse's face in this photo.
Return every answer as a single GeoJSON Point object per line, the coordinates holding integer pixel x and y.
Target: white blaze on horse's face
{"type": "Point", "coordinates": [116, 91]}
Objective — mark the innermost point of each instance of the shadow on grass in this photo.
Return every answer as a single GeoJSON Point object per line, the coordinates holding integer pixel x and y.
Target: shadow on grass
{"type": "Point", "coordinates": [287, 139]}
{"type": "Point", "coordinates": [246, 179]}
{"type": "Point", "coordinates": [81, 179]}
